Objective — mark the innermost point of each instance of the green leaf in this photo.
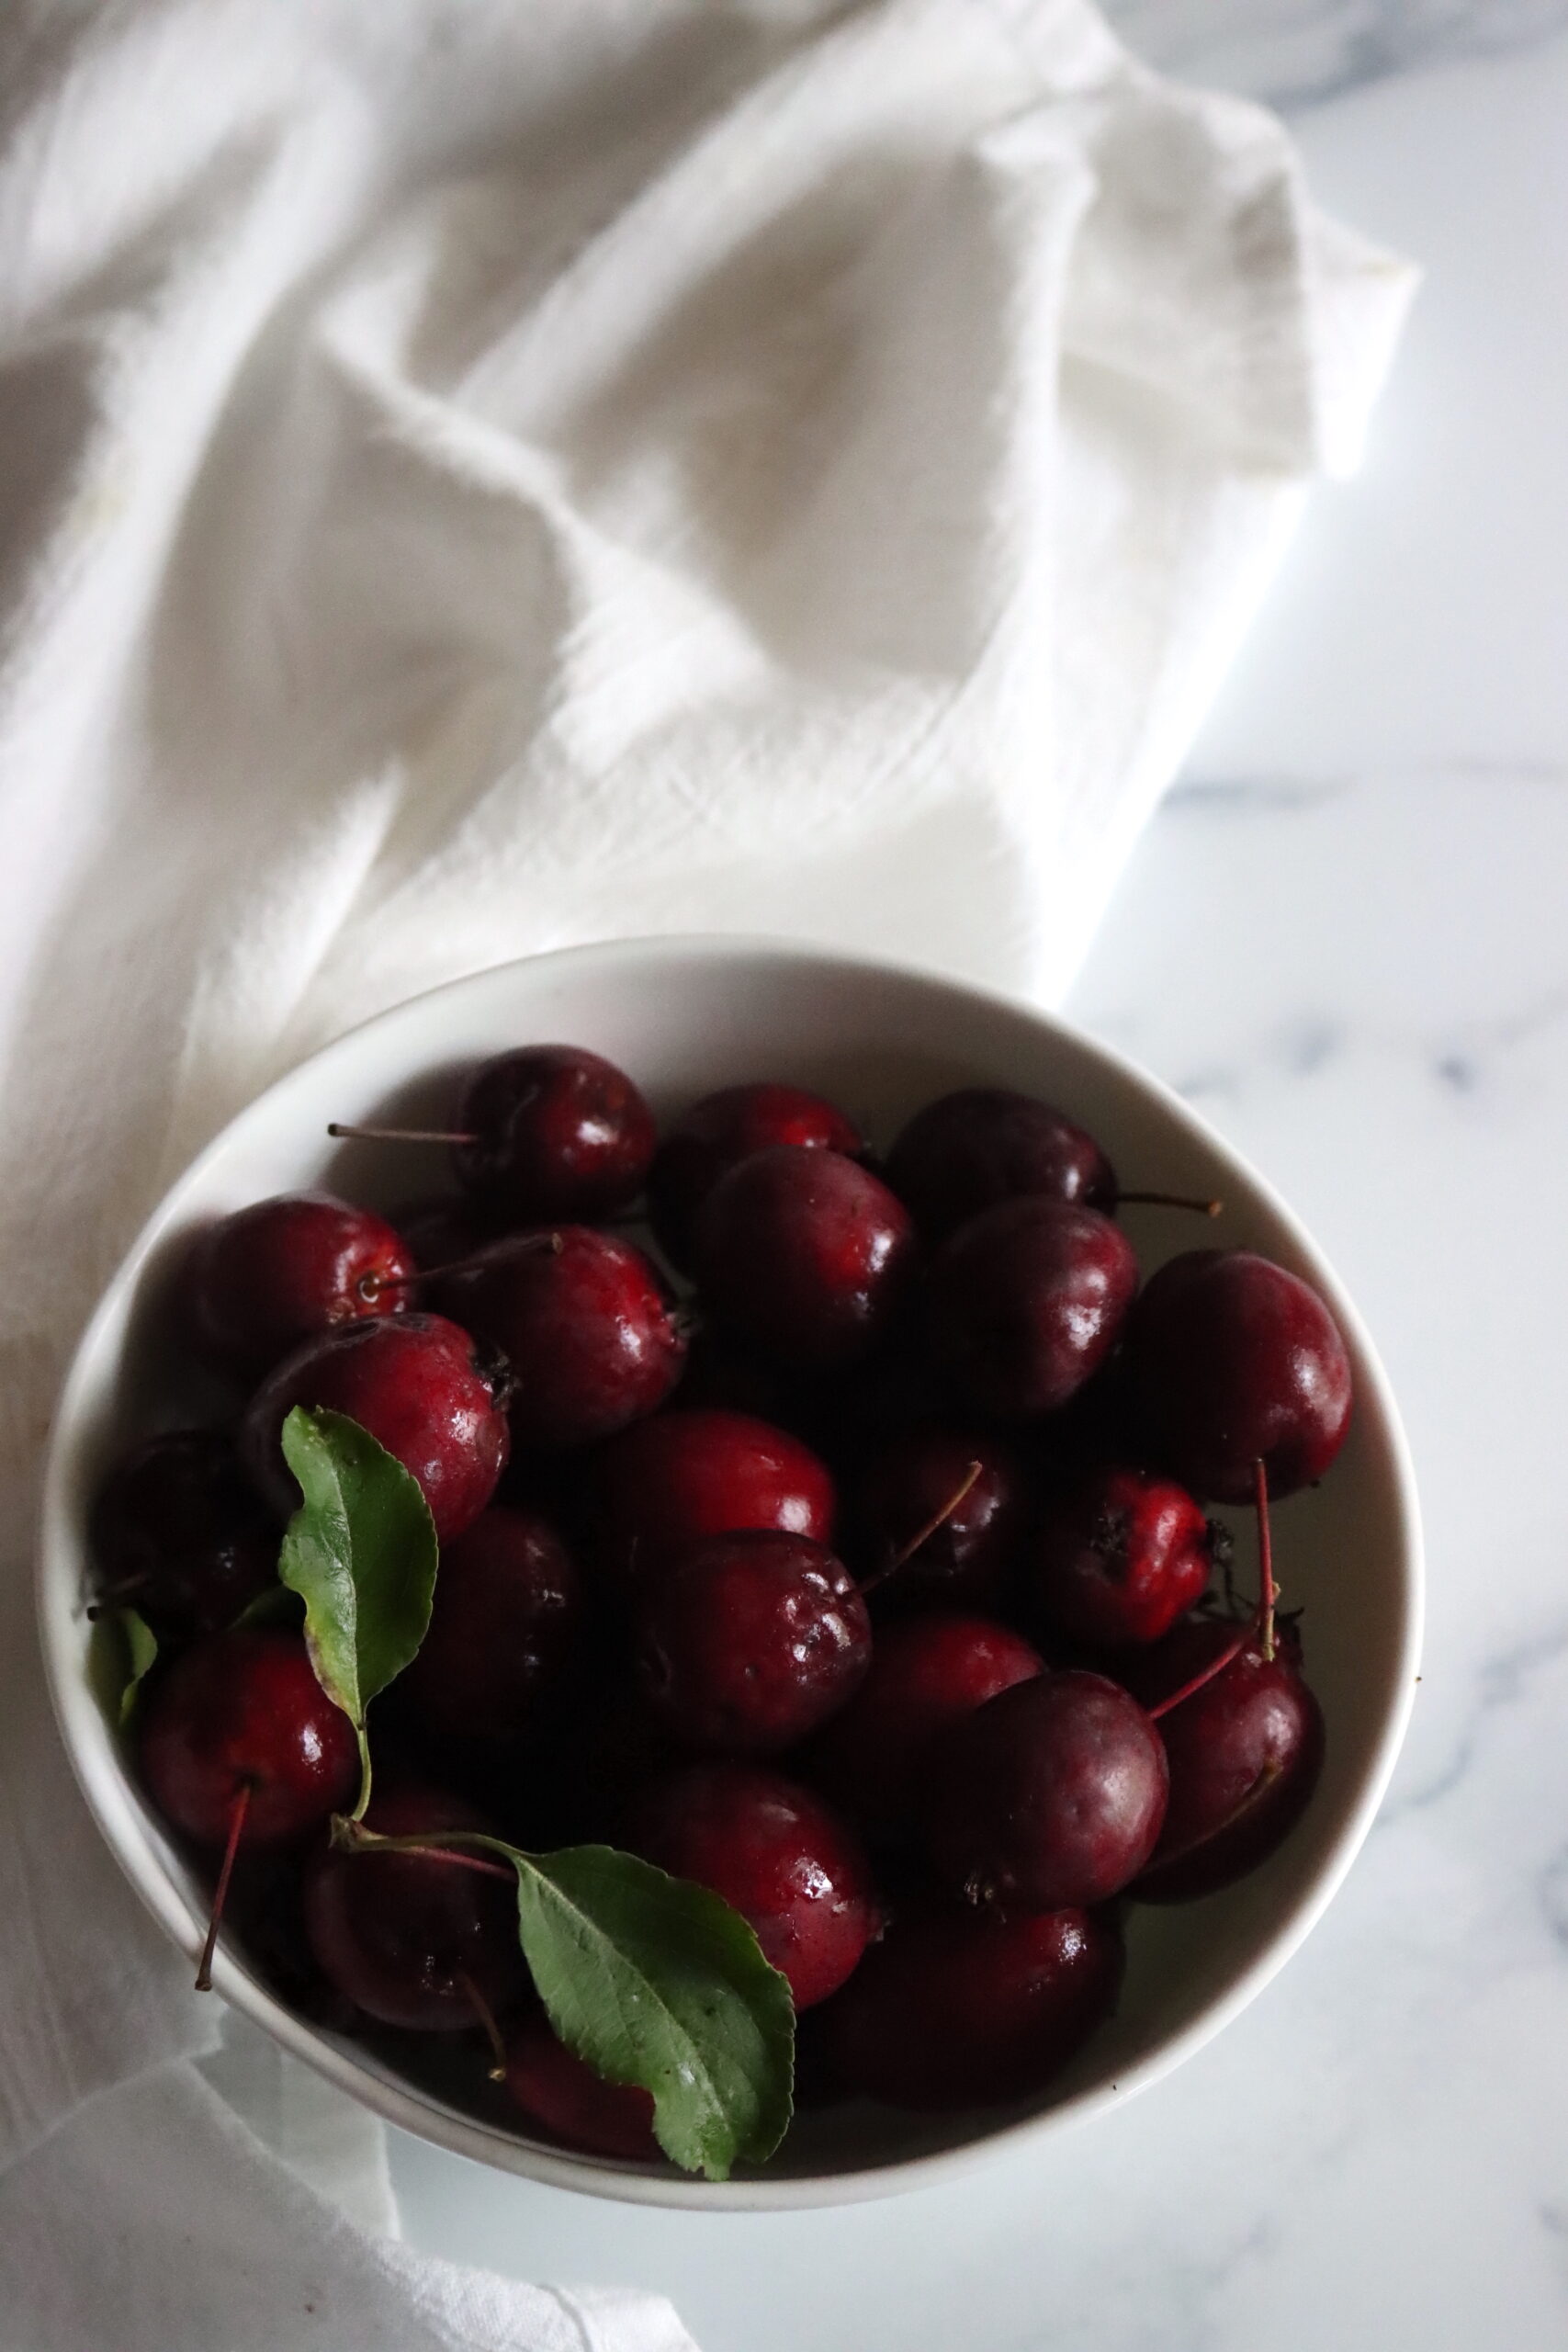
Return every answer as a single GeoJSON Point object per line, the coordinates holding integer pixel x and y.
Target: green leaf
{"type": "Point", "coordinates": [651, 1980]}
{"type": "Point", "coordinates": [122, 1650]}
{"type": "Point", "coordinates": [656, 1982]}
{"type": "Point", "coordinates": [274, 1605]}
{"type": "Point", "coordinates": [361, 1553]}
{"type": "Point", "coordinates": [142, 1652]}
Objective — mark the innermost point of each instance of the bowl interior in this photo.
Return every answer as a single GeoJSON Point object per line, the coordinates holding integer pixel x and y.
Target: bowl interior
{"type": "Point", "coordinates": [686, 1017]}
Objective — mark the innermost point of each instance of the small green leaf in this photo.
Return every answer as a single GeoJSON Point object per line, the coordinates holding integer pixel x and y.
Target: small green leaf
{"type": "Point", "coordinates": [274, 1605]}
{"type": "Point", "coordinates": [656, 1982]}
{"type": "Point", "coordinates": [142, 1652]}
{"type": "Point", "coordinates": [361, 1553]}
{"type": "Point", "coordinates": [123, 1648]}
{"type": "Point", "coordinates": [651, 1980]}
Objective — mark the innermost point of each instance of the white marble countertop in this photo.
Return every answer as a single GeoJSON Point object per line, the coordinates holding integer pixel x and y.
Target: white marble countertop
{"type": "Point", "coordinates": [1344, 939]}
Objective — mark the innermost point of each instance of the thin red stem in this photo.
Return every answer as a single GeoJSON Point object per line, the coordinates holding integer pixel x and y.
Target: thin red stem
{"type": "Point", "coordinates": [369, 1841]}
{"type": "Point", "coordinates": [242, 1805]}
{"type": "Point", "coordinates": [1171, 1201]}
{"type": "Point", "coordinates": [394, 1135]}
{"type": "Point", "coordinates": [924, 1533]}
{"type": "Point", "coordinates": [1217, 1665]}
{"type": "Point", "coordinates": [1265, 1557]}
{"type": "Point", "coordinates": [486, 2015]}
{"type": "Point", "coordinates": [372, 1285]}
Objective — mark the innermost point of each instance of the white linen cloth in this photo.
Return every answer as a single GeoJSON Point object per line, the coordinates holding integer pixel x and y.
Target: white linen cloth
{"type": "Point", "coordinates": [479, 476]}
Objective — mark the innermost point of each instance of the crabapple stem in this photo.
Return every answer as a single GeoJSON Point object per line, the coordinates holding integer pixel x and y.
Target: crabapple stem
{"type": "Point", "coordinates": [1217, 1665]}
{"type": "Point", "coordinates": [1171, 1201]}
{"type": "Point", "coordinates": [486, 2015]}
{"type": "Point", "coordinates": [242, 1805]}
{"type": "Point", "coordinates": [1264, 1558]}
{"type": "Point", "coordinates": [356, 1840]}
{"type": "Point", "coordinates": [372, 1285]}
{"type": "Point", "coordinates": [1260, 1625]}
{"type": "Point", "coordinates": [394, 1135]}
{"type": "Point", "coordinates": [921, 1534]}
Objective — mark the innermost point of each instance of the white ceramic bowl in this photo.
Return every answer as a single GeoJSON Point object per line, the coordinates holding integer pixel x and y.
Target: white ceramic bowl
{"type": "Point", "coordinates": [685, 1017]}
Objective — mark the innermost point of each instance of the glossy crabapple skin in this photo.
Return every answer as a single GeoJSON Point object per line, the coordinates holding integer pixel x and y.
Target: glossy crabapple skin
{"type": "Point", "coordinates": [927, 1673]}
{"type": "Point", "coordinates": [748, 1642]}
{"type": "Point", "coordinates": [804, 1253]}
{"type": "Point", "coordinates": [590, 1334]}
{"type": "Point", "coordinates": [666, 1482]}
{"type": "Point", "coordinates": [245, 1710]}
{"type": "Point", "coordinates": [911, 1481]}
{"type": "Point", "coordinates": [723, 1129]}
{"type": "Point", "coordinates": [776, 1853]}
{"type": "Point", "coordinates": [416, 1383]}
{"type": "Point", "coordinates": [1232, 1360]}
{"type": "Point", "coordinates": [1245, 1753]}
{"type": "Point", "coordinates": [984, 1143]}
{"type": "Point", "coordinates": [504, 1624]}
{"type": "Point", "coordinates": [1051, 1795]}
{"type": "Point", "coordinates": [1116, 1557]}
{"type": "Point", "coordinates": [560, 1133]}
{"type": "Point", "coordinates": [959, 2009]}
{"type": "Point", "coordinates": [272, 1276]}
{"type": "Point", "coordinates": [560, 2095]}
{"type": "Point", "coordinates": [407, 1938]}
{"type": "Point", "coordinates": [179, 1533]}
{"type": "Point", "coordinates": [1025, 1303]}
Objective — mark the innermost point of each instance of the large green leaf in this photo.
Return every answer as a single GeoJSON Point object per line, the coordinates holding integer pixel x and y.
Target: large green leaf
{"type": "Point", "coordinates": [361, 1553]}
{"type": "Point", "coordinates": [652, 1981]}
{"type": "Point", "coordinates": [657, 1982]}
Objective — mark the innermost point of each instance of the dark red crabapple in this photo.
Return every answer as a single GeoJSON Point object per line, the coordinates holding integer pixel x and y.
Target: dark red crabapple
{"type": "Point", "coordinates": [268, 1278]}
{"type": "Point", "coordinates": [1232, 1360]}
{"type": "Point", "coordinates": [562, 2097]}
{"type": "Point", "coordinates": [967, 1490]}
{"type": "Point", "coordinates": [243, 1712]}
{"type": "Point", "coordinates": [723, 1129]}
{"type": "Point", "coordinates": [179, 1533]}
{"type": "Point", "coordinates": [927, 1673]}
{"type": "Point", "coordinates": [587, 1328]}
{"type": "Point", "coordinates": [417, 1384]}
{"type": "Point", "coordinates": [1116, 1557]}
{"type": "Point", "coordinates": [505, 1622]}
{"type": "Point", "coordinates": [805, 1254]}
{"type": "Point", "coordinates": [1025, 1303]}
{"type": "Point", "coordinates": [424, 1942]}
{"type": "Point", "coordinates": [1052, 1795]}
{"type": "Point", "coordinates": [556, 1133]}
{"type": "Point", "coordinates": [984, 1143]}
{"type": "Point", "coordinates": [960, 2008]}
{"type": "Point", "coordinates": [748, 1641]}
{"type": "Point", "coordinates": [1245, 1752]}
{"type": "Point", "coordinates": [665, 1483]}
{"type": "Point", "coordinates": [776, 1853]}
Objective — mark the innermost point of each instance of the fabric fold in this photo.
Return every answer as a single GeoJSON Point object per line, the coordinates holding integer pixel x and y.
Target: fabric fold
{"type": "Point", "coordinates": [482, 479]}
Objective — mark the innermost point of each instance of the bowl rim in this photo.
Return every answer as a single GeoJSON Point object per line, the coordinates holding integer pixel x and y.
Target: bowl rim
{"type": "Point", "coordinates": [107, 1786]}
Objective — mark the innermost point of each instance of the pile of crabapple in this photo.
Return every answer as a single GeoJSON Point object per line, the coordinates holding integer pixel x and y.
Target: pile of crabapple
{"type": "Point", "coordinates": [842, 1546]}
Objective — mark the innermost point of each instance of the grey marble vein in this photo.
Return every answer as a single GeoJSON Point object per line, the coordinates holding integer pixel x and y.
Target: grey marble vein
{"type": "Point", "coordinates": [1500, 1682]}
{"type": "Point", "coordinates": [1251, 796]}
{"type": "Point", "coordinates": [1296, 53]}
